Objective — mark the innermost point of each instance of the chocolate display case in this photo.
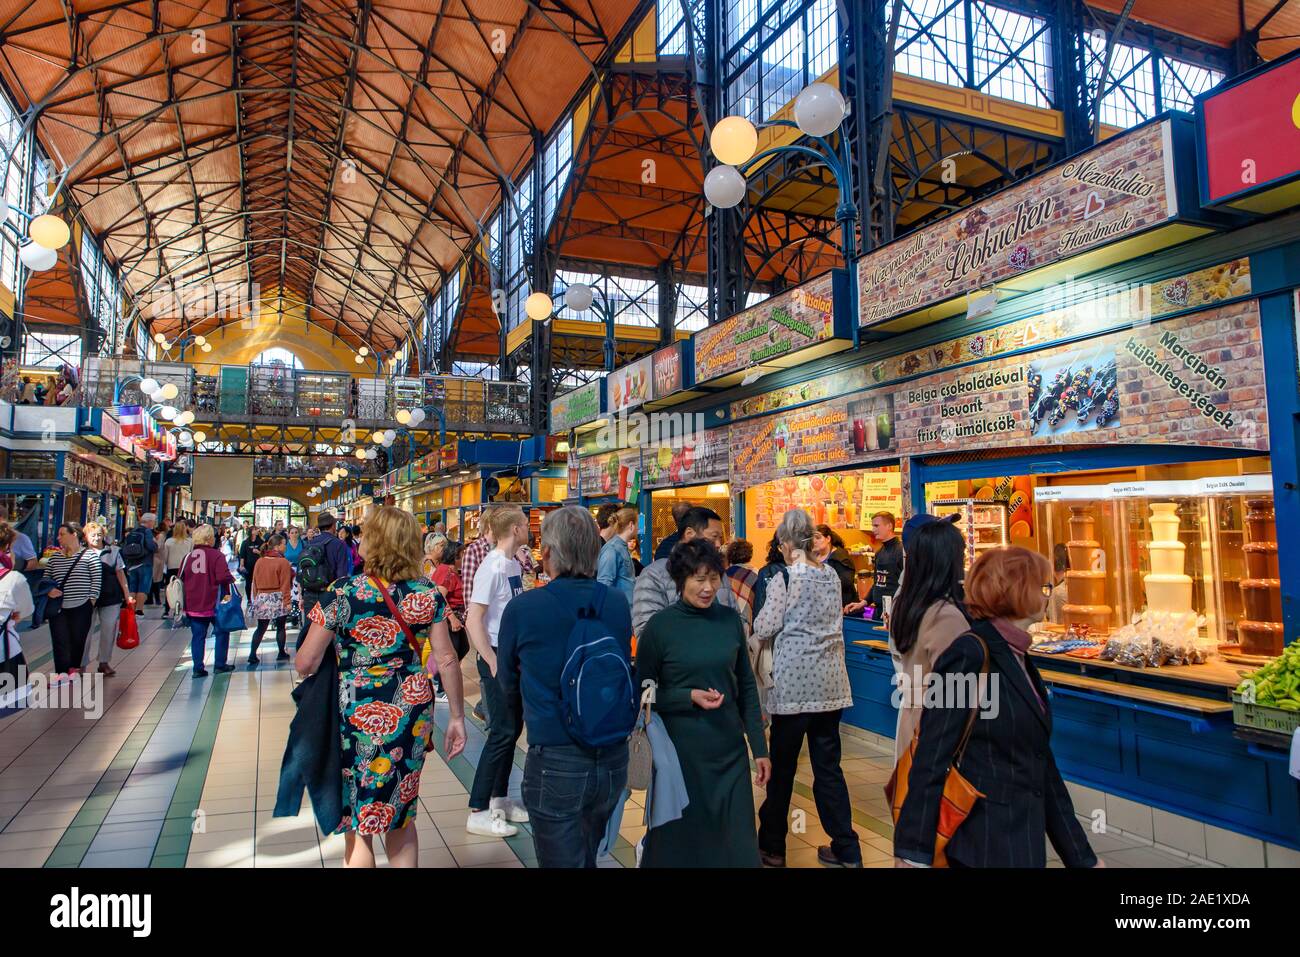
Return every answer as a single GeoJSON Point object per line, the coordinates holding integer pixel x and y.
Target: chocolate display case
{"type": "Point", "coordinates": [983, 522]}
{"type": "Point", "coordinates": [1246, 613]}
{"type": "Point", "coordinates": [1080, 520]}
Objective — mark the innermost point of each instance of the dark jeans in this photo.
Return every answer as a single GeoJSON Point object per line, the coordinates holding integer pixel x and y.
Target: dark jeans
{"type": "Point", "coordinates": [570, 793]}
{"type": "Point", "coordinates": [199, 637]}
{"type": "Point", "coordinates": [280, 636]}
{"type": "Point", "coordinates": [505, 724]}
{"type": "Point", "coordinates": [830, 791]}
{"type": "Point", "coordinates": [68, 632]}
{"type": "Point", "coordinates": [308, 601]}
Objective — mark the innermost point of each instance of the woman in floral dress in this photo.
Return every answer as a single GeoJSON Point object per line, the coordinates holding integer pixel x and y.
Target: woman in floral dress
{"type": "Point", "coordinates": [385, 696]}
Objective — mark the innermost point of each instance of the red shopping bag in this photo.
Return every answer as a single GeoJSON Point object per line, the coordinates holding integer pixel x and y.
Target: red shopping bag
{"type": "Point", "coordinates": [128, 632]}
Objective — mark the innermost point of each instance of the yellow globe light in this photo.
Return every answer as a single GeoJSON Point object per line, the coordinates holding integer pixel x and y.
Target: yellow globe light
{"type": "Point", "coordinates": [361, 453]}
{"type": "Point", "coordinates": [200, 437]}
{"type": "Point", "coordinates": [358, 360]}
{"type": "Point", "coordinates": [538, 306]}
{"type": "Point", "coordinates": [169, 391]}
{"type": "Point", "coordinates": [207, 347]}
{"type": "Point", "coordinates": [733, 140]}
{"type": "Point", "coordinates": [49, 231]}
{"type": "Point", "coordinates": [403, 417]}
{"type": "Point", "coordinates": [363, 351]}
{"type": "Point", "coordinates": [159, 337]}
{"type": "Point", "coordinates": [376, 437]}
{"type": "Point", "coordinates": [199, 341]}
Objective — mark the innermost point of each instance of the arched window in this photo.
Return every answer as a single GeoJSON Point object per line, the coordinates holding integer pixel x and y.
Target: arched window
{"type": "Point", "coordinates": [277, 355]}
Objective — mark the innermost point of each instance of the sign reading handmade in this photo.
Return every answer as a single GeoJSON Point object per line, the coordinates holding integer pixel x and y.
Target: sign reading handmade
{"type": "Point", "coordinates": [578, 407]}
{"type": "Point", "coordinates": [776, 327]}
{"type": "Point", "coordinates": [1111, 192]}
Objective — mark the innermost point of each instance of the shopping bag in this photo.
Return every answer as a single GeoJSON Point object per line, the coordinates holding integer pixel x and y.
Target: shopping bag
{"type": "Point", "coordinates": [128, 632]}
{"type": "Point", "coordinates": [230, 614]}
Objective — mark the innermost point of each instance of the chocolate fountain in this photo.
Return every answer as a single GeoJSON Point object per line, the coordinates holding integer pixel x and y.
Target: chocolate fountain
{"type": "Point", "coordinates": [1260, 628]}
{"type": "Point", "coordinates": [1085, 582]}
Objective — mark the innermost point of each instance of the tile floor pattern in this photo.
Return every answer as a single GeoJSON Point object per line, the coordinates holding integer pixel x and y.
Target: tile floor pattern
{"type": "Point", "coordinates": [183, 773]}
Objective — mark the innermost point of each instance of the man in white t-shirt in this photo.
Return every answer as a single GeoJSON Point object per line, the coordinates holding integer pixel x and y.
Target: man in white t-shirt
{"type": "Point", "coordinates": [498, 579]}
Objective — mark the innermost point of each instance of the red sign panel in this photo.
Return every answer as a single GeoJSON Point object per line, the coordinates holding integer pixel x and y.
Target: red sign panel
{"type": "Point", "coordinates": [1252, 132]}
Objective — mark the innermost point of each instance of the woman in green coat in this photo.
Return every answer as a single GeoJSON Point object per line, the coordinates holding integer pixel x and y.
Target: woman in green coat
{"type": "Point", "coordinates": [695, 652]}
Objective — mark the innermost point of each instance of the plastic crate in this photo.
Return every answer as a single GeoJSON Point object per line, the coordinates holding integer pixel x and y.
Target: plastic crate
{"type": "Point", "coordinates": [1263, 717]}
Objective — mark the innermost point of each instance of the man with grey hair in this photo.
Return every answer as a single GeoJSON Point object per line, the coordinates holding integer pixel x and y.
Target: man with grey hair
{"type": "Point", "coordinates": [138, 549]}
{"type": "Point", "coordinates": [531, 650]}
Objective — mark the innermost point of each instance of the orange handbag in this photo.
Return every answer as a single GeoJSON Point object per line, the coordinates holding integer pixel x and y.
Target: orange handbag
{"type": "Point", "coordinates": [959, 795]}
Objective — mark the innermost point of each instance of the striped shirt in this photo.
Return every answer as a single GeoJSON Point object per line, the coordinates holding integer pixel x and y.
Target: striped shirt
{"type": "Point", "coordinates": [84, 582]}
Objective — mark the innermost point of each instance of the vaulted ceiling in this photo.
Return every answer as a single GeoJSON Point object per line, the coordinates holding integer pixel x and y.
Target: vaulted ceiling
{"type": "Point", "coordinates": [341, 153]}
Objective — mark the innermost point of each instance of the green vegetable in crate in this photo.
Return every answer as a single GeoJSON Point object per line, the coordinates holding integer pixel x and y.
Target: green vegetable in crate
{"type": "Point", "coordinates": [1276, 684]}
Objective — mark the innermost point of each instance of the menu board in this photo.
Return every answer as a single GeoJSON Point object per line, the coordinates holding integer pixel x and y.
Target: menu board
{"type": "Point", "coordinates": [630, 386]}
{"type": "Point", "coordinates": [576, 407]}
{"type": "Point", "coordinates": [881, 492]}
{"type": "Point", "coordinates": [778, 326]}
{"type": "Point", "coordinates": [1109, 193]}
{"type": "Point", "coordinates": [667, 370]}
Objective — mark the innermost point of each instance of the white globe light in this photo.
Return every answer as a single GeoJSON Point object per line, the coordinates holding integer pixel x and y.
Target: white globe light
{"type": "Point", "coordinates": [372, 453]}
{"type": "Point", "coordinates": [578, 297]}
{"type": "Point", "coordinates": [169, 391]}
{"type": "Point", "coordinates": [358, 360]}
{"type": "Point", "coordinates": [417, 416]}
{"type": "Point", "coordinates": [389, 436]}
{"type": "Point", "coordinates": [733, 140]}
{"type": "Point", "coordinates": [724, 187]}
{"type": "Point", "coordinates": [149, 386]}
{"type": "Point", "coordinates": [49, 231]}
{"type": "Point", "coordinates": [327, 483]}
{"type": "Point", "coordinates": [185, 439]}
{"type": "Point", "coordinates": [363, 351]}
{"type": "Point", "coordinates": [185, 418]}
{"type": "Point", "coordinates": [167, 413]}
{"type": "Point", "coordinates": [199, 341]}
{"type": "Point", "coordinates": [4, 210]}
{"type": "Point", "coordinates": [37, 258]}
{"type": "Point", "coordinates": [200, 436]}
{"type": "Point", "coordinates": [819, 109]}
{"type": "Point", "coordinates": [159, 337]}
{"type": "Point", "coordinates": [538, 306]}
{"type": "Point", "coordinates": [403, 416]}
{"type": "Point", "coordinates": [207, 347]}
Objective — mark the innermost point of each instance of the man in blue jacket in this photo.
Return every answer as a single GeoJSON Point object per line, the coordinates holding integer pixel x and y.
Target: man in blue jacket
{"type": "Point", "coordinates": [336, 564]}
{"type": "Point", "coordinates": [568, 816]}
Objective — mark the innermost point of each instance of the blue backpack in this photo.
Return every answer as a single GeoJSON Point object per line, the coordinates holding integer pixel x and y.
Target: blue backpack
{"type": "Point", "coordinates": [597, 698]}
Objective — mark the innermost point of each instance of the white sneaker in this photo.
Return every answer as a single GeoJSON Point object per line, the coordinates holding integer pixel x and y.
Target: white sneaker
{"type": "Point", "coordinates": [491, 823]}
{"type": "Point", "coordinates": [515, 812]}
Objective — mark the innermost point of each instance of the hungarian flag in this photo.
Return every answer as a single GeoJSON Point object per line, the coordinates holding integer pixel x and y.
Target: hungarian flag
{"type": "Point", "coordinates": [132, 419]}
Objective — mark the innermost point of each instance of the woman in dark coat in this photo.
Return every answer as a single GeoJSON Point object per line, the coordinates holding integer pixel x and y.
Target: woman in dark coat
{"type": "Point", "coordinates": [695, 652]}
{"type": "Point", "coordinates": [1008, 757]}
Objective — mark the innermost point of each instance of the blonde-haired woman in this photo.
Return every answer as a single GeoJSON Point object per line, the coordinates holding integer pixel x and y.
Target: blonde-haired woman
{"type": "Point", "coordinates": [614, 565]}
{"type": "Point", "coordinates": [113, 594]}
{"type": "Point", "coordinates": [174, 551]}
{"type": "Point", "coordinates": [376, 622]}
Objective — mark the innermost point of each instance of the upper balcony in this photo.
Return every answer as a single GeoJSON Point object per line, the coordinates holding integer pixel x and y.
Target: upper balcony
{"type": "Point", "coordinates": [277, 395]}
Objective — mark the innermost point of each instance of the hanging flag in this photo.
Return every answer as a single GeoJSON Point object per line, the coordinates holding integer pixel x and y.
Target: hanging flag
{"type": "Point", "coordinates": [132, 418]}
{"type": "Point", "coordinates": [629, 483]}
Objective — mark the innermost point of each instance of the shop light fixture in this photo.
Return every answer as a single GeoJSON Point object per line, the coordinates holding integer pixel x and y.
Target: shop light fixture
{"type": "Point", "coordinates": [562, 446]}
{"type": "Point", "coordinates": [49, 231]}
{"type": "Point", "coordinates": [717, 488]}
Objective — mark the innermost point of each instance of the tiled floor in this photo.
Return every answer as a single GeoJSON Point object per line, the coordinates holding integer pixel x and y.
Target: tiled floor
{"type": "Point", "coordinates": [183, 773]}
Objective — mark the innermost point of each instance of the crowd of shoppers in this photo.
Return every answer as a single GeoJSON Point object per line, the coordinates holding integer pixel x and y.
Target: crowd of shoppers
{"type": "Point", "coordinates": [740, 668]}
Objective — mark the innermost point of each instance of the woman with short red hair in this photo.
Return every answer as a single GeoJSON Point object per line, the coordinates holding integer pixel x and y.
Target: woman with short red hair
{"type": "Point", "coordinates": [1007, 756]}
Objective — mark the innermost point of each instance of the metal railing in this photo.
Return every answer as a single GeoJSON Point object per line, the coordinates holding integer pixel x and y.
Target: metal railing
{"type": "Point", "coordinates": [276, 393]}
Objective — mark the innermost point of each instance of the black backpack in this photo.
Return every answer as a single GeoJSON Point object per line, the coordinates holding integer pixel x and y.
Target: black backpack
{"type": "Point", "coordinates": [314, 568]}
{"type": "Point", "coordinates": [110, 590]}
{"type": "Point", "coordinates": [134, 549]}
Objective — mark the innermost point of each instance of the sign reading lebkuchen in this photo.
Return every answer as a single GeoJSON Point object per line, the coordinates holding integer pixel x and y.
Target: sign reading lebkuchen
{"type": "Point", "coordinates": [778, 326]}
{"type": "Point", "coordinates": [576, 408]}
{"type": "Point", "coordinates": [1112, 192]}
